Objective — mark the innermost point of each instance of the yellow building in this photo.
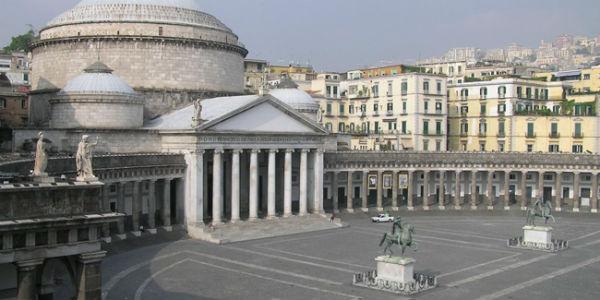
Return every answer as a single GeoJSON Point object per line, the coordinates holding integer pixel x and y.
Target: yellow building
{"type": "Point", "coordinates": [523, 115]}
{"type": "Point", "coordinates": [403, 111]}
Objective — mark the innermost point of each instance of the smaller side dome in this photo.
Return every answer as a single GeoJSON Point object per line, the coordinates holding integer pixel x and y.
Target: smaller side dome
{"type": "Point", "coordinates": [287, 92]}
{"type": "Point", "coordinates": [97, 99]}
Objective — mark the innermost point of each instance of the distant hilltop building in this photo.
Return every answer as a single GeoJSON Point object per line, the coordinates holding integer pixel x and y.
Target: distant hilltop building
{"type": "Point", "coordinates": [167, 50]}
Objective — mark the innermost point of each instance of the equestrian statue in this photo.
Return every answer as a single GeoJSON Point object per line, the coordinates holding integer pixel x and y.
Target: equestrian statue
{"type": "Point", "coordinates": [401, 236]}
{"type": "Point", "coordinates": [541, 209]}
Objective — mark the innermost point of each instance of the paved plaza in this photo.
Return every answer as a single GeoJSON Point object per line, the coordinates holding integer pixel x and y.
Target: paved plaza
{"type": "Point", "coordinates": [467, 251]}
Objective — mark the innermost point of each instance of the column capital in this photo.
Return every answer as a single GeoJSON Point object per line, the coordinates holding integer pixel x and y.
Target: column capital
{"type": "Point", "coordinates": [273, 151]}
{"type": "Point", "coordinates": [236, 151]}
{"type": "Point", "coordinates": [318, 151]}
{"type": "Point", "coordinates": [90, 258]}
{"type": "Point", "coordinates": [289, 150]}
{"type": "Point", "coordinates": [199, 152]}
{"type": "Point", "coordinates": [304, 150]}
{"type": "Point", "coordinates": [29, 264]}
{"type": "Point", "coordinates": [254, 151]}
{"type": "Point", "coordinates": [219, 151]}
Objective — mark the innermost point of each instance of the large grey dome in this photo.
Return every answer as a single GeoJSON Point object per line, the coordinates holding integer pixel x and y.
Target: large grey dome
{"type": "Point", "coordinates": [185, 12]}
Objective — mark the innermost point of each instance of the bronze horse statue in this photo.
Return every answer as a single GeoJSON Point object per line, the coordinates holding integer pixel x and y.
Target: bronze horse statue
{"type": "Point", "coordinates": [403, 239]}
{"type": "Point", "coordinates": [539, 210]}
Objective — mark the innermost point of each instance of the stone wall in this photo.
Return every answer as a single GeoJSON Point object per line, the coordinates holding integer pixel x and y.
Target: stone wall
{"type": "Point", "coordinates": [110, 141]}
{"type": "Point", "coordinates": [102, 112]}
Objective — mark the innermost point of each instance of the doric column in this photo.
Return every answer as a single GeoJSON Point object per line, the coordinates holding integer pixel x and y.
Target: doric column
{"type": "Point", "coordinates": [395, 191]}
{"type": "Point", "coordinates": [271, 185]}
{"type": "Point", "coordinates": [318, 182]}
{"type": "Point", "coordinates": [106, 208]}
{"type": "Point", "coordinates": [490, 190]}
{"type": "Point", "coordinates": [540, 190]}
{"type": "Point", "coordinates": [217, 193]}
{"type": "Point", "coordinates": [365, 191]}
{"type": "Point", "coordinates": [474, 190]}
{"type": "Point", "coordinates": [303, 182]}
{"type": "Point", "coordinates": [235, 185]}
{"type": "Point", "coordinates": [166, 211]}
{"type": "Point", "coordinates": [506, 190]}
{"type": "Point", "coordinates": [457, 198]}
{"type": "Point", "coordinates": [152, 206]}
{"type": "Point", "coordinates": [253, 197]}
{"type": "Point", "coordinates": [558, 192]}
{"type": "Point", "coordinates": [576, 191]}
{"type": "Point", "coordinates": [349, 204]}
{"type": "Point", "coordinates": [27, 274]}
{"type": "Point", "coordinates": [121, 208]}
{"type": "Point", "coordinates": [194, 202]}
{"type": "Point", "coordinates": [442, 183]}
{"type": "Point", "coordinates": [287, 179]}
{"type": "Point", "coordinates": [594, 199]}
{"type": "Point", "coordinates": [425, 195]}
{"type": "Point", "coordinates": [334, 192]}
{"type": "Point", "coordinates": [379, 191]}
{"type": "Point", "coordinates": [89, 276]}
{"type": "Point", "coordinates": [136, 207]}
{"type": "Point", "coordinates": [410, 200]}
{"type": "Point", "coordinates": [523, 189]}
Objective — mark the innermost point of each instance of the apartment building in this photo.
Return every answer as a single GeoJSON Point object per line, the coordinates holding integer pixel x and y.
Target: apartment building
{"type": "Point", "coordinates": [394, 112]}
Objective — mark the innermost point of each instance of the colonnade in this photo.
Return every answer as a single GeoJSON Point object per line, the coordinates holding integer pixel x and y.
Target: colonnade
{"type": "Point", "coordinates": [462, 189]}
{"type": "Point", "coordinates": [253, 184]}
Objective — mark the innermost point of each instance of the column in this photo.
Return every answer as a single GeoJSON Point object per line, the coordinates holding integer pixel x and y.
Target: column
{"type": "Point", "coordinates": [136, 205]}
{"type": "Point", "coordinates": [540, 189]}
{"type": "Point", "coordinates": [558, 192]}
{"type": "Point", "coordinates": [410, 201]}
{"type": "Point", "coordinates": [152, 206]}
{"type": "Point", "coordinates": [490, 190]}
{"type": "Point", "coordinates": [166, 211]}
{"type": "Point", "coordinates": [425, 195]}
{"type": "Point", "coordinates": [442, 183]}
{"type": "Point", "coordinates": [334, 192]}
{"type": "Point", "coordinates": [287, 179]}
{"type": "Point", "coordinates": [457, 198]}
{"type": "Point", "coordinates": [474, 190]}
{"type": "Point", "coordinates": [318, 176]}
{"type": "Point", "coordinates": [271, 186]}
{"type": "Point", "coordinates": [106, 208]}
{"type": "Point", "coordinates": [594, 193]}
{"type": "Point", "coordinates": [395, 191]}
{"type": "Point", "coordinates": [349, 194]}
{"type": "Point", "coordinates": [523, 189]}
{"type": "Point", "coordinates": [217, 191]}
{"type": "Point", "coordinates": [235, 185]}
{"type": "Point", "coordinates": [506, 190]}
{"type": "Point", "coordinates": [194, 194]}
{"type": "Point", "coordinates": [253, 198]}
{"type": "Point", "coordinates": [89, 276]}
{"type": "Point", "coordinates": [365, 191]}
{"type": "Point", "coordinates": [27, 274]}
{"type": "Point", "coordinates": [379, 191]}
{"type": "Point", "coordinates": [303, 182]}
{"type": "Point", "coordinates": [121, 209]}
{"type": "Point", "coordinates": [576, 191]}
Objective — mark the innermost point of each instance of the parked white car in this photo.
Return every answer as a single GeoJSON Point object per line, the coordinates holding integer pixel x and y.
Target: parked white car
{"type": "Point", "coordinates": [382, 218]}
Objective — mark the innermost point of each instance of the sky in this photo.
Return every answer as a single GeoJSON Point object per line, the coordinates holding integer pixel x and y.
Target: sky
{"type": "Point", "coordinates": [338, 35]}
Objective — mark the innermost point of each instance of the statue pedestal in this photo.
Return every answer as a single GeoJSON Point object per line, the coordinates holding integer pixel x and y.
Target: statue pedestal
{"type": "Point", "coordinates": [43, 179]}
{"type": "Point", "coordinates": [395, 274]}
{"type": "Point", "coordinates": [86, 179]}
{"type": "Point", "coordinates": [538, 238]}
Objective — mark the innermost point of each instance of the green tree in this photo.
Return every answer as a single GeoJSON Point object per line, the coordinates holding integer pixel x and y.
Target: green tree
{"type": "Point", "coordinates": [20, 42]}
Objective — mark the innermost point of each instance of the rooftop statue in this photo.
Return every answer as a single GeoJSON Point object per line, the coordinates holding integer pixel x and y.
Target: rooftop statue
{"type": "Point", "coordinates": [84, 159]}
{"type": "Point", "coordinates": [197, 119]}
{"type": "Point", "coordinates": [41, 157]}
{"type": "Point", "coordinates": [401, 236]}
{"type": "Point", "coordinates": [542, 209]}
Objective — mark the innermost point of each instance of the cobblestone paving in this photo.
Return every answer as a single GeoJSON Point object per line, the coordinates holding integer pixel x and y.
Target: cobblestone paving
{"type": "Point", "coordinates": [467, 251]}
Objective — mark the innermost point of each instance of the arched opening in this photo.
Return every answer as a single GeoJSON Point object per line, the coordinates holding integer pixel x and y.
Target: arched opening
{"type": "Point", "coordinates": [57, 280]}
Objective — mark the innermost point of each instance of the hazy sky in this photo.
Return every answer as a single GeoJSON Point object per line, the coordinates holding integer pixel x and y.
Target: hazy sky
{"type": "Point", "coordinates": [342, 34]}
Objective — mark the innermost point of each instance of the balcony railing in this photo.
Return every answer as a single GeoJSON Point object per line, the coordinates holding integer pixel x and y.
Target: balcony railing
{"type": "Point", "coordinates": [390, 113]}
{"type": "Point", "coordinates": [501, 134]}
{"type": "Point", "coordinates": [530, 135]}
{"type": "Point", "coordinates": [554, 135]}
{"type": "Point", "coordinates": [483, 134]}
{"type": "Point", "coordinates": [464, 134]}
{"type": "Point", "coordinates": [578, 135]}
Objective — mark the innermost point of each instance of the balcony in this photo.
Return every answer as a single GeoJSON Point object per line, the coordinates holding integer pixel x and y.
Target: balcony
{"type": "Point", "coordinates": [464, 113]}
{"type": "Point", "coordinates": [464, 134]}
{"type": "Point", "coordinates": [578, 135]}
{"type": "Point", "coordinates": [530, 135]}
{"type": "Point", "coordinates": [554, 135]}
{"type": "Point", "coordinates": [389, 113]}
{"type": "Point", "coordinates": [501, 96]}
{"type": "Point", "coordinates": [483, 97]}
{"type": "Point", "coordinates": [501, 135]}
{"type": "Point", "coordinates": [482, 134]}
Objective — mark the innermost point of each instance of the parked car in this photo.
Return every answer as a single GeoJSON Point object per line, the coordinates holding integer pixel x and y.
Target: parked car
{"type": "Point", "coordinates": [382, 218]}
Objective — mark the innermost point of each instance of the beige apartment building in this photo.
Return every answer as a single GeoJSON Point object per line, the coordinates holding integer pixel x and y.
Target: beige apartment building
{"type": "Point", "coordinates": [397, 112]}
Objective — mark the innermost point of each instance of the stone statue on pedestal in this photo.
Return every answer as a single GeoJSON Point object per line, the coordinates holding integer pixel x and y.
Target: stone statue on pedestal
{"type": "Point", "coordinates": [84, 160]}
{"type": "Point", "coordinates": [197, 119]}
{"type": "Point", "coordinates": [41, 157]}
{"type": "Point", "coordinates": [542, 209]}
{"type": "Point", "coordinates": [402, 238]}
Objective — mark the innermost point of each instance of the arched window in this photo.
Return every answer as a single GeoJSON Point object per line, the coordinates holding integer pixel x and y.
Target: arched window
{"type": "Point", "coordinates": [2, 103]}
{"type": "Point", "coordinates": [483, 93]}
{"type": "Point", "coordinates": [502, 92]}
{"type": "Point", "coordinates": [464, 94]}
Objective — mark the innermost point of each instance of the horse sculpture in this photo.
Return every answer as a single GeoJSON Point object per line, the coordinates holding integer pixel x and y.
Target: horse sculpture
{"type": "Point", "coordinates": [539, 210]}
{"type": "Point", "coordinates": [403, 238]}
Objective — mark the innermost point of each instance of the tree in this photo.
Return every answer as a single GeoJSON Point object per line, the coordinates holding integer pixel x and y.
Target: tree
{"type": "Point", "coordinates": [20, 42]}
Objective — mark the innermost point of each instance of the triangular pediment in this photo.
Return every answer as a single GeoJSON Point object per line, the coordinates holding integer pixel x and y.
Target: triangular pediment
{"type": "Point", "coordinates": [266, 115]}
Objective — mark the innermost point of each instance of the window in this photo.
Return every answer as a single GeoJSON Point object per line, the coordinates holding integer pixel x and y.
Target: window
{"type": "Point", "coordinates": [577, 133]}
{"type": "Point", "coordinates": [426, 87]}
{"type": "Point", "coordinates": [425, 127]}
{"type": "Point", "coordinates": [438, 107]}
{"type": "Point", "coordinates": [160, 31]}
{"type": "Point", "coordinates": [426, 106]}
{"type": "Point", "coordinates": [403, 106]}
{"type": "Point", "coordinates": [439, 87]}
{"type": "Point", "coordinates": [483, 93]}
{"type": "Point", "coordinates": [464, 109]}
{"type": "Point", "coordinates": [528, 93]}
{"type": "Point", "coordinates": [501, 108]}
{"type": "Point", "coordinates": [391, 126]}
{"type": "Point", "coordinates": [464, 128]}
{"type": "Point", "coordinates": [501, 147]}
{"type": "Point", "coordinates": [328, 93]}
{"type": "Point", "coordinates": [577, 149]}
{"type": "Point", "coordinates": [2, 103]}
{"type": "Point", "coordinates": [438, 146]}
{"type": "Point", "coordinates": [351, 109]}
{"type": "Point", "coordinates": [482, 128]}
{"type": "Point", "coordinates": [464, 94]}
{"type": "Point", "coordinates": [335, 92]}
{"type": "Point", "coordinates": [482, 147]}
{"type": "Point", "coordinates": [537, 94]}
{"type": "Point", "coordinates": [342, 109]}
{"type": "Point", "coordinates": [25, 76]}
{"type": "Point", "coordinates": [586, 77]}
{"type": "Point", "coordinates": [341, 127]}
{"type": "Point", "coordinates": [438, 128]}
{"type": "Point", "coordinates": [530, 132]}
{"type": "Point", "coordinates": [390, 89]}
{"type": "Point", "coordinates": [375, 107]}
{"type": "Point", "coordinates": [502, 92]}
{"type": "Point", "coordinates": [519, 92]}
{"type": "Point", "coordinates": [483, 109]}
{"type": "Point", "coordinates": [404, 127]}
{"type": "Point", "coordinates": [425, 145]}
{"type": "Point", "coordinates": [553, 148]}
{"type": "Point", "coordinates": [363, 108]}
{"type": "Point", "coordinates": [404, 88]}
{"type": "Point", "coordinates": [529, 147]}
{"type": "Point", "coordinates": [329, 126]}
{"type": "Point", "coordinates": [352, 126]}
{"type": "Point", "coordinates": [329, 108]}
{"type": "Point", "coordinates": [376, 125]}
{"type": "Point", "coordinates": [375, 90]}
{"type": "Point", "coordinates": [553, 130]}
